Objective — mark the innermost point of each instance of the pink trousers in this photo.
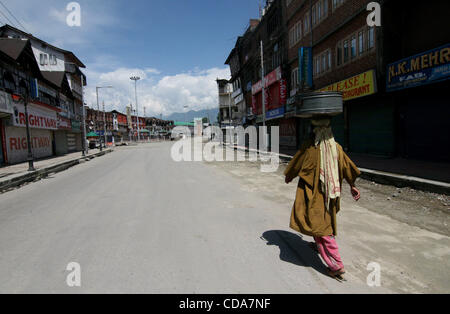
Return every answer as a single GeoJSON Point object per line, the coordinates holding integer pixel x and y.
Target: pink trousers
{"type": "Point", "coordinates": [329, 251]}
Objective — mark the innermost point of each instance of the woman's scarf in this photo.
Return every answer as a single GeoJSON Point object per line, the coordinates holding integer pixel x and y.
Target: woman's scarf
{"type": "Point", "coordinates": [329, 167]}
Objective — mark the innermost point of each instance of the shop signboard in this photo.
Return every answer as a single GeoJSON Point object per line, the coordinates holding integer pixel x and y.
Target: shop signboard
{"type": "Point", "coordinates": [421, 69]}
{"type": "Point", "coordinates": [64, 123]}
{"type": "Point", "coordinates": [357, 86]}
{"type": "Point", "coordinates": [270, 79]}
{"type": "Point", "coordinates": [305, 69]}
{"type": "Point", "coordinates": [38, 117]}
{"type": "Point", "coordinates": [275, 113]}
{"type": "Point", "coordinates": [16, 143]}
{"type": "Point", "coordinates": [76, 125]}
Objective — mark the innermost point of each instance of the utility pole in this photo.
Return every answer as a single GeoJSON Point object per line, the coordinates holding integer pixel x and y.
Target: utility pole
{"type": "Point", "coordinates": [30, 158]}
{"type": "Point", "coordinates": [263, 85]}
{"type": "Point", "coordinates": [263, 98]}
{"type": "Point", "coordinates": [104, 123]}
{"type": "Point", "coordinates": [135, 79]}
{"type": "Point", "coordinates": [85, 147]}
{"type": "Point", "coordinates": [98, 109]}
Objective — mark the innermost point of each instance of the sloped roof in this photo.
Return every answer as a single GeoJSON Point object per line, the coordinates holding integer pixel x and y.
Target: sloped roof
{"type": "Point", "coordinates": [12, 47]}
{"type": "Point", "coordinates": [54, 77]}
{"type": "Point", "coordinates": [70, 55]}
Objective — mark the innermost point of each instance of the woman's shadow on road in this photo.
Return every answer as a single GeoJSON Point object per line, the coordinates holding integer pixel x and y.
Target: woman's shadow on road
{"type": "Point", "coordinates": [295, 250]}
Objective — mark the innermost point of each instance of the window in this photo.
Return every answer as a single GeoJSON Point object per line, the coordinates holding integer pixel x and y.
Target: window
{"type": "Point", "coordinates": [371, 38]}
{"type": "Point", "coordinates": [291, 37]}
{"type": "Point", "coordinates": [294, 79]}
{"type": "Point", "coordinates": [43, 59]}
{"type": "Point", "coordinates": [319, 11]}
{"type": "Point", "coordinates": [356, 45]}
{"type": "Point", "coordinates": [353, 49]}
{"type": "Point", "coordinates": [295, 34]}
{"type": "Point", "coordinates": [322, 63]}
{"type": "Point", "coordinates": [52, 60]}
{"type": "Point", "coordinates": [337, 3]}
{"type": "Point", "coordinates": [339, 54]}
{"type": "Point", "coordinates": [298, 32]}
{"type": "Point", "coordinates": [314, 15]}
{"type": "Point", "coordinates": [346, 51]}
{"type": "Point", "coordinates": [329, 59]}
{"type": "Point", "coordinates": [9, 81]}
{"type": "Point", "coordinates": [361, 42]}
{"type": "Point", "coordinates": [306, 24]}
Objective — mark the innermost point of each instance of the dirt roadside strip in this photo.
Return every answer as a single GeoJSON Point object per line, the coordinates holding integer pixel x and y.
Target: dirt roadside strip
{"type": "Point", "coordinates": [18, 179]}
{"type": "Point", "coordinates": [381, 177]}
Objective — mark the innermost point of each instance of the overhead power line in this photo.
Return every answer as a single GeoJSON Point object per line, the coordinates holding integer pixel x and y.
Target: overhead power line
{"type": "Point", "coordinates": [10, 13]}
{"type": "Point", "coordinates": [1, 12]}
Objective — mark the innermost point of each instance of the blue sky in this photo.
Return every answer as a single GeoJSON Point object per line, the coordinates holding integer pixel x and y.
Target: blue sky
{"type": "Point", "coordinates": [178, 47]}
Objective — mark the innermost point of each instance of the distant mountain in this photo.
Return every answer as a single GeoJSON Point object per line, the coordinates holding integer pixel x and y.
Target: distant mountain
{"type": "Point", "coordinates": [191, 115]}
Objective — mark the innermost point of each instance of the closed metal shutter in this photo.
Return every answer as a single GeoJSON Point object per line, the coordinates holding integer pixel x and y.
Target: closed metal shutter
{"type": "Point", "coordinates": [71, 142]}
{"type": "Point", "coordinates": [371, 128]}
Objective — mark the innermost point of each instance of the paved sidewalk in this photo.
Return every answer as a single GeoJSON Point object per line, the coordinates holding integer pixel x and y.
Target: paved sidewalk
{"type": "Point", "coordinates": [420, 175]}
{"type": "Point", "coordinates": [17, 175]}
{"type": "Point", "coordinates": [40, 164]}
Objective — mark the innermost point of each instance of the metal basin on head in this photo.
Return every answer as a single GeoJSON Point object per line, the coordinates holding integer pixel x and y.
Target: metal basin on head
{"type": "Point", "coordinates": [320, 104]}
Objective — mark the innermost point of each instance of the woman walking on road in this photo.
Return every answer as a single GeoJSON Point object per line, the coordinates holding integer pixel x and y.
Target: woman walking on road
{"type": "Point", "coordinates": [321, 165]}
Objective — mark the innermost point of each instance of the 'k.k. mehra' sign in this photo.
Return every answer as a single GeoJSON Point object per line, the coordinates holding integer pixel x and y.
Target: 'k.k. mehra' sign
{"type": "Point", "coordinates": [424, 68]}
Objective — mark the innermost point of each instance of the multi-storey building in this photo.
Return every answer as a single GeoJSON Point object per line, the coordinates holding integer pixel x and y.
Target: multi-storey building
{"type": "Point", "coordinates": [386, 73]}
{"type": "Point", "coordinates": [225, 89]}
{"type": "Point", "coordinates": [60, 88]}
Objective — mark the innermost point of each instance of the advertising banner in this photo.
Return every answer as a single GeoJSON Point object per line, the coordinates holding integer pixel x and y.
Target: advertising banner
{"type": "Point", "coordinates": [424, 68]}
{"type": "Point", "coordinates": [38, 117]}
{"type": "Point", "coordinates": [305, 68]}
{"type": "Point", "coordinates": [16, 143]}
{"type": "Point", "coordinates": [360, 85]}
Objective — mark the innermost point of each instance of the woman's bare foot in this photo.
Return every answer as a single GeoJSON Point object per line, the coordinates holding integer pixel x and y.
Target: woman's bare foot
{"type": "Point", "coordinates": [339, 272]}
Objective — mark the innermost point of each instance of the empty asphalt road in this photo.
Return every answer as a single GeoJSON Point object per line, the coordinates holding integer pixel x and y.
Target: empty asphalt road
{"type": "Point", "coordinates": [136, 221]}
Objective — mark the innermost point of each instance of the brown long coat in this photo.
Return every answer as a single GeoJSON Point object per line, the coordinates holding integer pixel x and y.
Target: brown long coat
{"type": "Point", "coordinates": [309, 215]}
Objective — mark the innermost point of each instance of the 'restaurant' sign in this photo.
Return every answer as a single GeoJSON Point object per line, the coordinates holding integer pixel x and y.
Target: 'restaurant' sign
{"type": "Point", "coordinates": [360, 85]}
{"type": "Point", "coordinates": [38, 117]}
{"type": "Point", "coordinates": [424, 68]}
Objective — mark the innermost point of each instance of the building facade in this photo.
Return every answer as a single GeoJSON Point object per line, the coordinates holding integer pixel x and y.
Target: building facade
{"type": "Point", "coordinates": [392, 76]}
{"type": "Point", "coordinates": [58, 96]}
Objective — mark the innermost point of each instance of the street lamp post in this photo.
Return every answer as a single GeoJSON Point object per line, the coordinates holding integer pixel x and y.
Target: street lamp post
{"type": "Point", "coordinates": [85, 146]}
{"type": "Point", "coordinates": [135, 79]}
{"type": "Point", "coordinates": [98, 110]}
{"type": "Point", "coordinates": [30, 158]}
{"type": "Point", "coordinates": [104, 124]}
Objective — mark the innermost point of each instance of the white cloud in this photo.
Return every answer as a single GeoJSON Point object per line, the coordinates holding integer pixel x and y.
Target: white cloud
{"type": "Point", "coordinates": [159, 95]}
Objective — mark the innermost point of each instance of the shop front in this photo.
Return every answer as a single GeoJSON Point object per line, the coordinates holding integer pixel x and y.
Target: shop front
{"type": "Point", "coordinates": [275, 93]}
{"type": "Point", "coordinates": [61, 143]}
{"type": "Point", "coordinates": [419, 87]}
{"type": "Point", "coordinates": [75, 136]}
{"type": "Point", "coordinates": [42, 122]}
{"type": "Point", "coordinates": [367, 125]}
{"type": "Point", "coordinates": [6, 110]}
